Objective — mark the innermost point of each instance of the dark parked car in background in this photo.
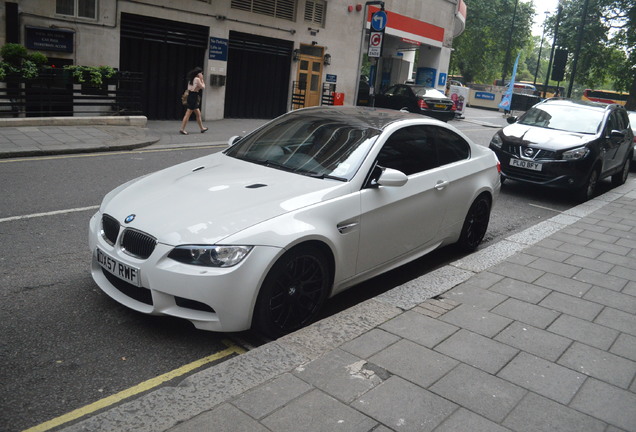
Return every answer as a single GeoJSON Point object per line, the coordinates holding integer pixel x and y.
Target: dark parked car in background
{"type": "Point", "coordinates": [417, 99]}
{"type": "Point", "coordinates": [567, 144]}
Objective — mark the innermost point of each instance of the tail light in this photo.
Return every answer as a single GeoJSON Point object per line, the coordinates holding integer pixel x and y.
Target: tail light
{"type": "Point", "coordinates": [421, 103]}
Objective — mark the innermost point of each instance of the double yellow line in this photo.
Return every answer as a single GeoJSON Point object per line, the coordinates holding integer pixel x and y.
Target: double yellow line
{"type": "Point", "coordinates": [139, 388]}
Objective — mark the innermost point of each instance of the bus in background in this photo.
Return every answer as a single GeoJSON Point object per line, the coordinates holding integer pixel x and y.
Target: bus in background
{"type": "Point", "coordinates": [550, 91]}
{"type": "Point", "coordinates": [607, 96]}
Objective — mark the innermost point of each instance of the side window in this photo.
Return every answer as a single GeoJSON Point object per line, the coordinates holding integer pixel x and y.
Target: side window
{"type": "Point", "coordinates": [391, 91]}
{"type": "Point", "coordinates": [410, 150]}
{"type": "Point", "coordinates": [450, 147]}
{"type": "Point", "coordinates": [612, 123]}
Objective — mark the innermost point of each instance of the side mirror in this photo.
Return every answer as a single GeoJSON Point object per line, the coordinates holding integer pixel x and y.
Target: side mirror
{"type": "Point", "coordinates": [392, 177]}
{"type": "Point", "coordinates": [617, 135]}
{"type": "Point", "coordinates": [233, 140]}
{"type": "Point", "coordinates": [512, 119]}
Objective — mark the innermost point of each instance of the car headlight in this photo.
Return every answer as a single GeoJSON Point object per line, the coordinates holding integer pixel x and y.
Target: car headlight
{"type": "Point", "coordinates": [576, 154]}
{"type": "Point", "coordinates": [496, 141]}
{"type": "Point", "coordinates": [210, 256]}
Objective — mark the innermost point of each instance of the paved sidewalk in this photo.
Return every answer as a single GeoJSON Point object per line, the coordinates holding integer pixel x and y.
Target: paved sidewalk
{"type": "Point", "coordinates": [535, 333]}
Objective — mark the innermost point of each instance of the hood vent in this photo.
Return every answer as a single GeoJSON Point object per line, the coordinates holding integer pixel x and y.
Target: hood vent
{"type": "Point", "coordinates": [256, 186]}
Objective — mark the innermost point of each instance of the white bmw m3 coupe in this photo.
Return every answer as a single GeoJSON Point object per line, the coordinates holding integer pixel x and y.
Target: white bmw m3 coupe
{"type": "Point", "coordinates": [317, 200]}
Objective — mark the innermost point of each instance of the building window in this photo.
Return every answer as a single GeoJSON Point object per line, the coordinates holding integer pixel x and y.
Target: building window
{"type": "Point", "coordinates": [315, 11]}
{"type": "Point", "coordinates": [284, 9]}
{"type": "Point", "coordinates": [77, 8]}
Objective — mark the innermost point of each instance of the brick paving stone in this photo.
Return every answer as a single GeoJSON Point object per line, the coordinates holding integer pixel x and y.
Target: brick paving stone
{"type": "Point", "coordinates": [630, 288]}
{"type": "Point", "coordinates": [520, 290]}
{"type": "Point", "coordinates": [601, 279]}
{"type": "Point", "coordinates": [538, 414]}
{"type": "Point", "coordinates": [414, 362]}
{"type": "Point", "coordinates": [543, 377]}
{"type": "Point", "coordinates": [627, 273]}
{"type": "Point", "coordinates": [528, 313]}
{"type": "Point", "coordinates": [463, 420]}
{"type": "Point", "coordinates": [534, 341]}
{"type": "Point", "coordinates": [586, 252]}
{"type": "Point", "coordinates": [563, 284]}
{"type": "Point", "coordinates": [271, 396]}
{"type": "Point", "coordinates": [403, 406]}
{"type": "Point", "coordinates": [589, 263]}
{"type": "Point", "coordinates": [370, 343]}
{"type": "Point", "coordinates": [485, 279]}
{"type": "Point", "coordinates": [584, 331]}
{"type": "Point", "coordinates": [548, 253]}
{"type": "Point", "coordinates": [613, 256]}
{"type": "Point", "coordinates": [477, 351]}
{"type": "Point", "coordinates": [608, 403]}
{"type": "Point", "coordinates": [419, 328]}
{"type": "Point", "coordinates": [625, 346]}
{"type": "Point", "coordinates": [599, 364]}
{"type": "Point", "coordinates": [607, 297]}
{"type": "Point", "coordinates": [307, 413]}
{"type": "Point", "coordinates": [517, 271]}
{"type": "Point", "coordinates": [476, 320]}
{"type": "Point", "coordinates": [555, 267]}
{"type": "Point", "coordinates": [618, 320]}
{"type": "Point", "coordinates": [471, 295]}
{"type": "Point", "coordinates": [224, 418]}
{"type": "Point", "coordinates": [572, 305]}
{"type": "Point", "coordinates": [339, 374]}
{"type": "Point", "coordinates": [521, 258]}
{"type": "Point", "coordinates": [479, 392]}
{"type": "Point", "coordinates": [570, 238]}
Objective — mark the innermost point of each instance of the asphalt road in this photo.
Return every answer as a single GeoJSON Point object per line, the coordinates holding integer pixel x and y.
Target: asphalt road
{"type": "Point", "coordinates": [66, 345]}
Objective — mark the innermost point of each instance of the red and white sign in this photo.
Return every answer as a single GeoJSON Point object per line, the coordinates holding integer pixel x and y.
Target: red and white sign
{"type": "Point", "coordinates": [375, 44]}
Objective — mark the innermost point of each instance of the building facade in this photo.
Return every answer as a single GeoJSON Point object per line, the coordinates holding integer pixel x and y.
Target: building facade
{"type": "Point", "coordinates": [261, 58]}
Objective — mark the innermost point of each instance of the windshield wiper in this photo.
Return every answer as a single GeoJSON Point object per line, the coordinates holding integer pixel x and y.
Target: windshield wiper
{"type": "Point", "coordinates": [321, 175]}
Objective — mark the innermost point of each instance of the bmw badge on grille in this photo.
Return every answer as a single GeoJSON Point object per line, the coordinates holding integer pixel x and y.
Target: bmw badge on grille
{"type": "Point", "coordinates": [129, 218]}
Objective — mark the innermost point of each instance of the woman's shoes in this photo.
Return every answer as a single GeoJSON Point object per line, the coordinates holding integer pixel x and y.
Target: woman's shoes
{"type": "Point", "coordinates": [182, 132]}
{"type": "Point", "coordinates": [204, 130]}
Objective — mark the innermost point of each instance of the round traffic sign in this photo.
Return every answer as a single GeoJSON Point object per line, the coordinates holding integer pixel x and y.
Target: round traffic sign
{"type": "Point", "coordinates": [375, 40]}
{"type": "Point", "coordinates": [378, 21]}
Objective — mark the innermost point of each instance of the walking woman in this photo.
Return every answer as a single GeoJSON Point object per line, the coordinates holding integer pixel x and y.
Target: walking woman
{"type": "Point", "coordinates": [195, 85]}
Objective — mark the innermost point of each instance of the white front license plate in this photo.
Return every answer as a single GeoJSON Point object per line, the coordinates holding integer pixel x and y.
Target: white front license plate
{"type": "Point", "coordinates": [526, 164]}
{"type": "Point", "coordinates": [117, 268]}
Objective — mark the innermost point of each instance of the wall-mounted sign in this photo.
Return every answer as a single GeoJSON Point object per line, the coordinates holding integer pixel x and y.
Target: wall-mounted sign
{"type": "Point", "coordinates": [331, 78]}
{"type": "Point", "coordinates": [218, 49]}
{"type": "Point", "coordinates": [375, 44]}
{"type": "Point", "coordinates": [442, 79]}
{"type": "Point", "coordinates": [46, 39]}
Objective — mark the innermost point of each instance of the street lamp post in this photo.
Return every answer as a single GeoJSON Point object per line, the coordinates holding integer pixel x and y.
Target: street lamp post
{"type": "Point", "coordinates": [536, 72]}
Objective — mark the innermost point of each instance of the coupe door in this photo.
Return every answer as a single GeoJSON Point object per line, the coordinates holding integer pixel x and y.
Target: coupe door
{"type": "Point", "coordinates": [399, 221]}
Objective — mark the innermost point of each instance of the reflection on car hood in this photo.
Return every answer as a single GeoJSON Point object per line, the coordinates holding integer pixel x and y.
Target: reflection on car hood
{"type": "Point", "coordinates": [208, 199]}
{"type": "Point", "coordinates": [548, 139]}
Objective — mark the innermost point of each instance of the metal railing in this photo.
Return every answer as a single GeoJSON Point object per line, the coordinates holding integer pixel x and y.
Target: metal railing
{"type": "Point", "coordinates": [53, 93]}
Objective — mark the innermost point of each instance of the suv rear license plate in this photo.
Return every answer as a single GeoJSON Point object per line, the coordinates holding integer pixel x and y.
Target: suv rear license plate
{"type": "Point", "coordinates": [117, 268]}
{"type": "Point", "coordinates": [526, 164]}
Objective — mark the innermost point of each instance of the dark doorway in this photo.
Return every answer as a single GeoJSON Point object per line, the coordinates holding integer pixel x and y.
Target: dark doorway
{"type": "Point", "coordinates": [257, 76]}
{"type": "Point", "coordinates": [163, 51]}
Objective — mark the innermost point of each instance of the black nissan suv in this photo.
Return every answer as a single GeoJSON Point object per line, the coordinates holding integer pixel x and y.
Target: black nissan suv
{"type": "Point", "coordinates": [567, 144]}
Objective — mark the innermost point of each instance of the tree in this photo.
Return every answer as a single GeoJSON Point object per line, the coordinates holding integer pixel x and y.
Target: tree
{"type": "Point", "coordinates": [480, 51]}
{"type": "Point", "coordinates": [608, 49]}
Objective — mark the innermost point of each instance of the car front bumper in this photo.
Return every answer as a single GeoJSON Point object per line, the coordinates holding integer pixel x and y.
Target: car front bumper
{"type": "Point", "coordinates": [215, 299]}
{"type": "Point", "coordinates": [553, 173]}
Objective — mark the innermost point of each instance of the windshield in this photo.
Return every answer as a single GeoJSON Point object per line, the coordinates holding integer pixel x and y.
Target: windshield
{"type": "Point", "coordinates": [569, 118]}
{"type": "Point", "coordinates": [310, 145]}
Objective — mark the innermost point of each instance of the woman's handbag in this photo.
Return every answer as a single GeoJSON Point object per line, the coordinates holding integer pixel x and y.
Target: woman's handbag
{"type": "Point", "coordinates": [184, 97]}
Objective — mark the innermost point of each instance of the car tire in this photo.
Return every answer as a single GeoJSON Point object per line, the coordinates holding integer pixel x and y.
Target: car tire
{"type": "Point", "coordinates": [293, 292]}
{"type": "Point", "coordinates": [475, 224]}
{"type": "Point", "coordinates": [588, 190]}
{"type": "Point", "coordinates": [621, 177]}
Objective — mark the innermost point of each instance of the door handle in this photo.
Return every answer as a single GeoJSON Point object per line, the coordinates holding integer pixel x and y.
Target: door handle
{"type": "Point", "coordinates": [441, 184]}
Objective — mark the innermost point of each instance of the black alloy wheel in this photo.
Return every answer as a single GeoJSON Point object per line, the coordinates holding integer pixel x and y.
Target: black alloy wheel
{"type": "Point", "coordinates": [621, 177]}
{"type": "Point", "coordinates": [588, 190]}
{"type": "Point", "coordinates": [475, 224]}
{"type": "Point", "coordinates": [293, 292]}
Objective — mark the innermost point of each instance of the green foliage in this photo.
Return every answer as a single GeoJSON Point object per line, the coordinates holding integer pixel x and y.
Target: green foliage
{"type": "Point", "coordinates": [95, 75]}
{"type": "Point", "coordinates": [16, 59]}
{"type": "Point", "coordinates": [13, 54]}
{"type": "Point", "coordinates": [480, 51]}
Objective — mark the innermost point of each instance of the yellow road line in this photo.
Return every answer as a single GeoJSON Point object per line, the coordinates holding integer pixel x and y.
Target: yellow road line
{"type": "Point", "coordinates": [139, 388]}
{"type": "Point", "coordinates": [85, 155]}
